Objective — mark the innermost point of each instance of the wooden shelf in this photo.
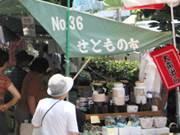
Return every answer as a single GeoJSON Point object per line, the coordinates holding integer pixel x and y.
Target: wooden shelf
{"type": "Point", "coordinates": [141, 114]}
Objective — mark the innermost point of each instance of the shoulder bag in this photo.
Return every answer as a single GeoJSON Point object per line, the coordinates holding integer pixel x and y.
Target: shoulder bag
{"type": "Point", "coordinates": [27, 128]}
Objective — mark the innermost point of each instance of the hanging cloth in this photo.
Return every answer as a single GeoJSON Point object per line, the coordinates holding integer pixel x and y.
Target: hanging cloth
{"type": "Point", "coordinates": [149, 74]}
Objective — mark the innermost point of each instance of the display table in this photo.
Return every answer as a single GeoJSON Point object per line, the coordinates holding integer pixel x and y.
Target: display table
{"type": "Point", "coordinates": [141, 114]}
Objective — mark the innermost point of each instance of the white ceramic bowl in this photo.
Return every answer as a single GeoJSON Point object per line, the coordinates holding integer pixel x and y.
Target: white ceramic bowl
{"type": "Point", "coordinates": [160, 121]}
{"type": "Point", "coordinates": [132, 108]}
{"type": "Point", "coordinates": [146, 122]}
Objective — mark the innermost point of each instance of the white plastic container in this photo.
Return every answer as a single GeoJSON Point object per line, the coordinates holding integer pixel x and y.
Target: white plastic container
{"type": "Point", "coordinates": [140, 92]}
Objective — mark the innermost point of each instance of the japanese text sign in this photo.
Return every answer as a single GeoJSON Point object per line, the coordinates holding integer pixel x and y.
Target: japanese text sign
{"type": "Point", "coordinates": [91, 35]}
{"type": "Point", "coordinates": [168, 65]}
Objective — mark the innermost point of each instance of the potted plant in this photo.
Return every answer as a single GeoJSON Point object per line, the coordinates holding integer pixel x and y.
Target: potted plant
{"type": "Point", "coordinates": [112, 70]}
{"type": "Point", "coordinates": [84, 78]}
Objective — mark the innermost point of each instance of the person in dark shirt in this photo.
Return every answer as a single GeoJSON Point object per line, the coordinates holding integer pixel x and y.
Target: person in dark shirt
{"type": "Point", "coordinates": [18, 73]}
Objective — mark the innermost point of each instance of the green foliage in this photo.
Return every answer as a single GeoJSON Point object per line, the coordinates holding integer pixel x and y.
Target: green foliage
{"type": "Point", "coordinates": [138, 13]}
{"type": "Point", "coordinates": [53, 1]}
{"type": "Point", "coordinates": [92, 11]}
{"type": "Point", "coordinates": [110, 69]}
{"type": "Point", "coordinates": [85, 74]}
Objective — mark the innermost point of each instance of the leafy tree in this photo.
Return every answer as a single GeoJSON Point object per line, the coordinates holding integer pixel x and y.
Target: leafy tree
{"type": "Point", "coordinates": [53, 1]}
{"type": "Point", "coordinates": [163, 16]}
{"type": "Point", "coordinates": [60, 2]}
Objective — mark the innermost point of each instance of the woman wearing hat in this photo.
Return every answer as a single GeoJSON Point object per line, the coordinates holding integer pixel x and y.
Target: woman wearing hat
{"type": "Point", "coordinates": [32, 90]}
{"type": "Point", "coordinates": [61, 118]}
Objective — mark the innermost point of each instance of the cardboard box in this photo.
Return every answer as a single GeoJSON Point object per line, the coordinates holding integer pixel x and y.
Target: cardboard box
{"type": "Point", "coordinates": [148, 131]}
{"type": "Point", "coordinates": [161, 130]}
{"type": "Point", "coordinates": [135, 130]}
{"type": "Point", "coordinates": [124, 131]}
{"type": "Point", "coordinates": [105, 131]}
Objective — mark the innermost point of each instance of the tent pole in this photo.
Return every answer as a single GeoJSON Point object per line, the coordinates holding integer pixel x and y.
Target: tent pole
{"type": "Point", "coordinates": [117, 13]}
{"type": "Point", "coordinates": [67, 50]}
{"type": "Point", "coordinates": [173, 28]}
{"type": "Point", "coordinates": [177, 89]}
{"type": "Point", "coordinates": [120, 19]}
{"type": "Point", "coordinates": [82, 68]}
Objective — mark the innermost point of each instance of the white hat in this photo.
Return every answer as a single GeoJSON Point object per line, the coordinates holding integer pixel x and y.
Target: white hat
{"type": "Point", "coordinates": [58, 85]}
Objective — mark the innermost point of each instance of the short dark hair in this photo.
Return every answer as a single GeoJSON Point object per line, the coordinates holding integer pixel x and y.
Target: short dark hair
{"type": "Point", "coordinates": [4, 57]}
{"type": "Point", "coordinates": [40, 65]}
{"type": "Point", "coordinates": [45, 48]}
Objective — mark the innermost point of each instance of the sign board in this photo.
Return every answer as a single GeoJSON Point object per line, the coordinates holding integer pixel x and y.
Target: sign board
{"type": "Point", "coordinates": [28, 26]}
{"type": "Point", "coordinates": [90, 35]}
{"type": "Point", "coordinates": [168, 64]}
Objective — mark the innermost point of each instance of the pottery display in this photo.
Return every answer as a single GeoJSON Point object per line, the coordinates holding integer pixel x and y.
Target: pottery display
{"type": "Point", "coordinates": [118, 94]}
{"type": "Point", "coordinates": [140, 92]}
{"type": "Point", "coordinates": [132, 108]}
{"type": "Point", "coordinates": [160, 121]}
{"type": "Point", "coordinates": [146, 122]}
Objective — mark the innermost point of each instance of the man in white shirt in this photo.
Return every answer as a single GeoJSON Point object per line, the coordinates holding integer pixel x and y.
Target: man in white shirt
{"type": "Point", "coordinates": [61, 118]}
{"type": "Point", "coordinates": [54, 60]}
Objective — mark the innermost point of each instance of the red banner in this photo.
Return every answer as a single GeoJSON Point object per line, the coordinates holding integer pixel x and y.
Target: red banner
{"type": "Point", "coordinates": [153, 6]}
{"type": "Point", "coordinates": [168, 64]}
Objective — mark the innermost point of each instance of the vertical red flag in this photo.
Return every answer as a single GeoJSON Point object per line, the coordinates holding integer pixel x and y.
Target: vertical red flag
{"type": "Point", "coordinates": [168, 64]}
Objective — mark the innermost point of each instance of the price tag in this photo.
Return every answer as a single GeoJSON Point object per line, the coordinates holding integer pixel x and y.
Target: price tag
{"type": "Point", "coordinates": [94, 119]}
{"type": "Point", "coordinates": [111, 131]}
{"type": "Point", "coordinates": [95, 92]}
{"type": "Point", "coordinates": [129, 123]}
